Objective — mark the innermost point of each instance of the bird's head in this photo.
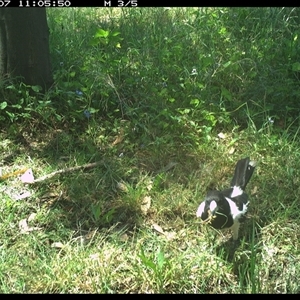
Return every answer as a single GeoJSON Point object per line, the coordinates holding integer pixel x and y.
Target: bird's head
{"type": "Point", "coordinates": [215, 210]}
{"type": "Point", "coordinates": [209, 206]}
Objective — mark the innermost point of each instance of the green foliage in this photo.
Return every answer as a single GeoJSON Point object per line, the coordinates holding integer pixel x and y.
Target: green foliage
{"type": "Point", "coordinates": [159, 265]}
{"type": "Point", "coordinates": [24, 102]}
{"type": "Point", "coordinates": [151, 72]}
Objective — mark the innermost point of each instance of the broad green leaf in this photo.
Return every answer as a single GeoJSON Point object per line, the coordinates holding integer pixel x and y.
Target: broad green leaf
{"type": "Point", "coordinates": [101, 33]}
{"type": "Point", "coordinates": [93, 110]}
{"type": "Point", "coordinates": [160, 259]}
{"type": "Point", "coordinates": [36, 88]}
{"type": "Point", "coordinates": [227, 64]}
{"type": "Point", "coordinates": [195, 102]}
{"type": "Point", "coordinates": [147, 262]}
{"type": "Point", "coordinates": [115, 33]}
{"type": "Point", "coordinates": [3, 105]}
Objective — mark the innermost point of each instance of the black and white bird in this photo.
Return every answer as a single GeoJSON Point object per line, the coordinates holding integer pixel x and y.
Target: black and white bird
{"type": "Point", "coordinates": [227, 208]}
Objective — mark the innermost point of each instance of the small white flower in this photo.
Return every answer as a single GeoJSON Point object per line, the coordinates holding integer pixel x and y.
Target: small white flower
{"type": "Point", "coordinates": [194, 72]}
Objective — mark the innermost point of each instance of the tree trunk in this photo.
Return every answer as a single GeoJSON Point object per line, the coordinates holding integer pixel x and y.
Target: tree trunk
{"type": "Point", "coordinates": [24, 46]}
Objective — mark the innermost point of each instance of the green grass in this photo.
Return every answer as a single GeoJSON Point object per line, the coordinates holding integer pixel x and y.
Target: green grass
{"type": "Point", "coordinates": [160, 85]}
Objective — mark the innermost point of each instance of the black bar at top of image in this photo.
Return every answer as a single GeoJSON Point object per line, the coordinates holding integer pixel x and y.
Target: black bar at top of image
{"type": "Point", "coordinates": [109, 3]}
{"type": "Point", "coordinates": [89, 3]}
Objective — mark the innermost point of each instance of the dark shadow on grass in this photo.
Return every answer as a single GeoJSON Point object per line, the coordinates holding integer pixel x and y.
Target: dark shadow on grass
{"type": "Point", "coordinates": [249, 234]}
{"type": "Point", "coordinates": [83, 200]}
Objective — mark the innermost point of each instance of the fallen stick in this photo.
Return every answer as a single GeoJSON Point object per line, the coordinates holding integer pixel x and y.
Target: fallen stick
{"type": "Point", "coordinates": [67, 170]}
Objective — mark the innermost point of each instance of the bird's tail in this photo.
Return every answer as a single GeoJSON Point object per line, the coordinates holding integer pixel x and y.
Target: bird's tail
{"type": "Point", "coordinates": [243, 172]}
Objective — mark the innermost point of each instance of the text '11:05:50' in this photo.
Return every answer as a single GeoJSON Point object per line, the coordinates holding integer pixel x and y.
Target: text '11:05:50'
{"type": "Point", "coordinates": [45, 3]}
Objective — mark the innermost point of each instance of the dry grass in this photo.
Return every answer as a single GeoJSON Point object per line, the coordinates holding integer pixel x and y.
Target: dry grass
{"type": "Point", "coordinates": [122, 249]}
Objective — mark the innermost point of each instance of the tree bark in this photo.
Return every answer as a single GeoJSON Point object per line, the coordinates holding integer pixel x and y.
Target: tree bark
{"type": "Point", "coordinates": [24, 46]}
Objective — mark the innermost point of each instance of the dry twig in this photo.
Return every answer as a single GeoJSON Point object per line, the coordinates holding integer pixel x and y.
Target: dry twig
{"type": "Point", "coordinates": [67, 170]}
